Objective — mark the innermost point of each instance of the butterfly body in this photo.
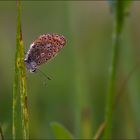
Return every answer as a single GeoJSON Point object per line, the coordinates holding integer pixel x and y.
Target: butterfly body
{"type": "Point", "coordinates": [43, 49]}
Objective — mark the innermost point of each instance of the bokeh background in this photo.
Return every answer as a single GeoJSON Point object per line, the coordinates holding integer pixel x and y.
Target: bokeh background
{"type": "Point", "coordinates": [76, 95]}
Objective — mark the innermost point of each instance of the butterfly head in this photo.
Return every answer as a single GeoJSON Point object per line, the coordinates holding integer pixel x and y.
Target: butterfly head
{"type": "Point", "coordinates": [30, 65]}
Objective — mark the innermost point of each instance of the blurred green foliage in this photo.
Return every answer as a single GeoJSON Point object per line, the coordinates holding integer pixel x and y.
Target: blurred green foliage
{"type": "Point", "coordinates": [119, 16]}
{"type": "Point", "coordinates": [60, 132]}
{"type": "Point", "coordinates": [76, 95]}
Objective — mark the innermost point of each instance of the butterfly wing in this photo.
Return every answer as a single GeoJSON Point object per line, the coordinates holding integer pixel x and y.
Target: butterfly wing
{"type": "Point", "coordinates": [46, 47]}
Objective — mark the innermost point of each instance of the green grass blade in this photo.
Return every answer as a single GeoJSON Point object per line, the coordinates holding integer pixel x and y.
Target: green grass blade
{"type": "Point", "coordinates": [23, 93]}
{"type": "Point", "coordinates": [15, 95]}
{"type": "Point", "coordinates": [60, 132]}
{"type": "Point", "coordinates": [16, 83]}
{"type": "Point", "coordinates": [20, 82]}
{"type": "Point", "coordinates": [119, 16]}
{"type": "Point", "coordinates": [1, 134]}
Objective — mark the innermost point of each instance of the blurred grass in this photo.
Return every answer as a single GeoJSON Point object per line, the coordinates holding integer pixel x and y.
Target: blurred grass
{"type": "Point", "coordinates": [1, 134]}
{"type": "Point", "coordinates": [60, 132]}
{"type": "Point", "coordinates": [119, 9]}
{"type": "Point", "coordinates": [119, 16]}
{"type": "Point", "coordinates": [88, 29]}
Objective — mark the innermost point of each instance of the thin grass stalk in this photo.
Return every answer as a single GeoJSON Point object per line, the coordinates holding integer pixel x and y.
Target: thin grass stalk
{"type": "Point", "coordinates": [118, 26]}
{"type": "Point", "coordinates": [16, 82]}
{"type": "Point", "coordinates": [23, 87]}
{"type": "Point", "coordinates": [20, 82]}
{"type": "Point", "coordinates": [1, 134]}
{"type": "Point", "coordinates": [15, 96]}
{"type": "Point", "coordinates": [23, 93]}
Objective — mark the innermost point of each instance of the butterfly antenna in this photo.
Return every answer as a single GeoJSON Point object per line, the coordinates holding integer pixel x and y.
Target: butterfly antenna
{"type": "Point", "coordinates": [44, 74]}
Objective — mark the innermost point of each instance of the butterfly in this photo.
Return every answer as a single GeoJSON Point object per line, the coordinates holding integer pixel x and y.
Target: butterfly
{"type": "Point", "coordinates": [43, 49]}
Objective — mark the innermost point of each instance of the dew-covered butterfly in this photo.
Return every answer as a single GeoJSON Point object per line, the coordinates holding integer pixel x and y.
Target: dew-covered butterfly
{"type": "Point", "coordinates": [43, 49]}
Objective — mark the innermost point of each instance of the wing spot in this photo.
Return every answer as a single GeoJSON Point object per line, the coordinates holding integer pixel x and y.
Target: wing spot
{"type": "Point", "coordinates": [50, 49]}
{"type": "Point", "coordinates": [49, 54]}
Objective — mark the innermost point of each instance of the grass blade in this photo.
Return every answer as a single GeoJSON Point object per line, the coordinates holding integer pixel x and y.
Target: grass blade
{"type": "Point", "coordinates": [119, 16]}
{"type": "Point", "coordinates": [19, 85]}
{"type": "Point", "coordinates": [60, 132]}
{"type": "Point", "coordinates": [1, 134]}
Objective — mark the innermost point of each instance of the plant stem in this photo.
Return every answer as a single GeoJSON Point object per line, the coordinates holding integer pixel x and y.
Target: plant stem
{"type": "Point", "coordinates": [118, 26]}
{"type": "Point", "coordinates": [1, 134]}
{"type": "Point", "coordinates": [99, 131]}
{"type": "Point", "coordinates": [15, 85]}
{"type": "Point", "coordinates": [23, 87]}
{"type": "Point", "coordinates": [23, 95]}
{"type": "Point", "coordinates": [20, 82]}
